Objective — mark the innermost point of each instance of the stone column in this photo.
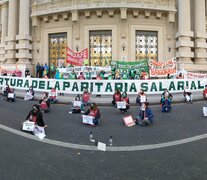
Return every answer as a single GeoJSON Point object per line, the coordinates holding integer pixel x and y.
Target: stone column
{"type": "Point", "coordinates": [24, 46]}
{"type": "Point", "coordinates": [200, 32]}
{"type": "Point", "coordinates": [4, 25]}
{"type": "Point", "coordinates": [184, 35]}
{"type": "Point", "coordinates": [10, 48]}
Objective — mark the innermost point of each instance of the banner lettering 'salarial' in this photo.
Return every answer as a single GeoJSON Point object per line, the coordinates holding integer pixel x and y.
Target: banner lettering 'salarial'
{"type": "Point", "coordinates": [104, 86]}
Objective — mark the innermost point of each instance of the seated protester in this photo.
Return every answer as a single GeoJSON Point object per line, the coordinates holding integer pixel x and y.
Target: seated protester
{"type": "Point", "coordinates": [167, 94]}
{"type": "Point", "coordinates": [29, 94]}
{"type": "Point", "coordinates": [81, 76]}
{"type": "Point", "coordinates": [116, 97]}
{"type": "Point", "coordinates": [95, 112]}
{"type": "Point", "coordinates": [35, 115]}
{"type": "Point", "coordinates": [141, 97]}
{"type": "Point", "coordinates": [188, 95]}
{"type": "Point", "coordinates": [46, 98]}
{"type": "Point", "coordinates": [7, 90]}
{"type": "Point", "coordinates": [44, 106]}
{"type": "Point", "coordinates": [205, 92]}
{"type": "Point", "coordinates": [11, 96]}
{"type": "Point", "coordinates": [77, 106]}
{"type": "Point", "coordinates": [86, 97]}
{"type": "Point", "coordinates": [53, 96]}
{"type": "Point", "coordinates": [125, 98]}
{"type": "Point", "coordinates": [166, 104]}
{"type": "Point", "coordinates": [145, 116]}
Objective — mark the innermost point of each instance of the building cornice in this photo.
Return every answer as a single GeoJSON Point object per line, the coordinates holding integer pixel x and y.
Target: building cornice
{"type": "Point", "coordinates": [46, 7]}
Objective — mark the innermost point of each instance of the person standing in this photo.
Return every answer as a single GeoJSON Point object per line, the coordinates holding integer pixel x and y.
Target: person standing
{"type": "Point", "coordinates": [41, 70]}
{"type": "Point", "coordinates": [52, 71]}
{"type": "Point", "coordinates": [38, 70]}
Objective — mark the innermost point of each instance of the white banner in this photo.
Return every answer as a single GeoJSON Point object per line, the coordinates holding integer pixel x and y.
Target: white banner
{"type": "Point", "coordinates": [103, 86]}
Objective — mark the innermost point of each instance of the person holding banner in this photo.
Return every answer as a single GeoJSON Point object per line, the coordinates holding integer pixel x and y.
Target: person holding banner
{"type": "Point", "coordinates": [95, 112]}
{"type": "Point", "coordinates": [53, 96]}
{"type": "Point", "coordinates": [116, 97]}
{"type": "Point", "coordinates": [125, 98]}
{"type": "Point", "coordinates": [188, 95]}
{"type": "Point", "coordinates": [145, 116]}
{"type": "Point", "coordinates": [86, 97]}
{"type": "Point", "coordinates": [205, 92]}
{"type": "Point", "coordinates": [141, 97]}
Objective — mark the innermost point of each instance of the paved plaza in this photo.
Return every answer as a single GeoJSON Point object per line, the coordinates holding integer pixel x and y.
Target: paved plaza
{"type": "Point", "coordinates": [173, 148]}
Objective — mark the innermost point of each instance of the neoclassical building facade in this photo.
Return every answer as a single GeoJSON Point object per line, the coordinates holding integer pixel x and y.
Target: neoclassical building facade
{"type": "Point", "coordinates": [127, 30]}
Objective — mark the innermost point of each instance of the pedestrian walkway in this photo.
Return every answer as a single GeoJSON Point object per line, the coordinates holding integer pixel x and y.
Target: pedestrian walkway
{"type": "Point", "coordinates": [105, 100]}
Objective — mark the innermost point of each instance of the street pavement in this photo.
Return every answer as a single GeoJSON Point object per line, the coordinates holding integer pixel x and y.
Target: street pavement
{"type": "Point", "coordinates": [29, 159]}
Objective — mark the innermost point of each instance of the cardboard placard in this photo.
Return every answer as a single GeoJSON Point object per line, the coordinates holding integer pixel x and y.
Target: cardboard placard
{"type": "Point", "coordinates": [128, 121]}
{"type": "Point", "coordinates": [121, 104]}
{"type": "Point", "coordinates": [205, 111]}
{"type": "Point", "coordinates": [101, 146]}
{"type": "Point", "coordinates": [87, 119]}
{"type": "Point", "coordinates": [143, 99]}
{"type": "Point", "coordinates": [77, 103]}
{"type": "Point", "coordinates": [11, 95]}
{"type": "Point", "coordinates": [28, 126]}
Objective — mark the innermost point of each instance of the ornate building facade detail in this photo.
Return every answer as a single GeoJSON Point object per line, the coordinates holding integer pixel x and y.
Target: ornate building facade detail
{"type": "Point", "coordinates": [129, 30]}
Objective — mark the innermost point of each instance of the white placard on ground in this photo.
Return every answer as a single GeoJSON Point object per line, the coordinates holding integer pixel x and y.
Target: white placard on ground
{"type": "Point", "coordinates": [101, 146]}
{"type": "Point", "coordinates": [205, 111]}
{"type": "Point", "coordinates": [128, 121]}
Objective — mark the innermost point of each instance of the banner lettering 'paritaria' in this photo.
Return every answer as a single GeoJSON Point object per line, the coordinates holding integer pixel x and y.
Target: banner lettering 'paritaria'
{"type": "Point", "coordinates": [161, 69]}
{"type": "Point", "coordinates": [76, 58]}
{"type": "Point", "coordinates": [105, 87]}
{"type": "Point", "coordinates": [191, 75]}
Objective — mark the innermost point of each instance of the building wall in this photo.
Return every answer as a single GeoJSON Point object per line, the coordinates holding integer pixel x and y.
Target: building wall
{"type": "Point", "coordinates": [123, 17]}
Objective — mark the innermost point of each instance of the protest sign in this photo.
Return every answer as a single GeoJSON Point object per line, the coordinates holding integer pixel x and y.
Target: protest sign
{"type": "Point", "coordinates": [191, 75]}
{"type": "Point", "coordinates": [9, 69]}
{"type": "Point", "coordinates": [162, 69]}
{"type": "Point", "coordinates": [138, 67]}
{"type": "Point", "coordinates": [76, 58]}
{"type": "Point", "coordinates": [103, 86]}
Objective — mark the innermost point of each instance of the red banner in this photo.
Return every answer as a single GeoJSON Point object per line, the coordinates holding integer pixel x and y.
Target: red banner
{"type": "Point", "coordinates": [161, 69]}
{"type": "Point", "coordinates": [76, 58]}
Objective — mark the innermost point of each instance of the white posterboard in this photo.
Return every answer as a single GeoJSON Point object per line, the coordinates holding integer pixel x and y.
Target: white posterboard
{"type": "Point", "coordinates": [11, 95]}
{"type": "Point", "coordinates": [121, 104]}
{"type": "Point", "coordinates": [205, 111]}
{"type": "Point", "coordinates": [39, 132]}
{"type": "Point", "coordinates": [76, 103]}
{"type": "Point", "coordinates": [128, 121]}
{"type": "Point", "coordinates": [87, 119]}
{"type": "Point", "coordinates": [101, 146]}
{"type": "Point", "coordinates": [143, 99]}
{"type": "Point", "coordinates": [28, 126]}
